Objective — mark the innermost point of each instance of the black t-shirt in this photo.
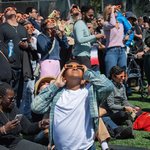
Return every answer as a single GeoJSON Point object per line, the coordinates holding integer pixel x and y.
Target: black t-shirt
{"type": "Point", "coordinates": [15, 33]}
{"type": "Point", "coordinates": [138, 42]}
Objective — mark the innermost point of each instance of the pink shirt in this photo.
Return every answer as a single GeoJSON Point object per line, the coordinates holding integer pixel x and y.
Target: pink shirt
{"type": "Point", "coordinates": [114, 36]}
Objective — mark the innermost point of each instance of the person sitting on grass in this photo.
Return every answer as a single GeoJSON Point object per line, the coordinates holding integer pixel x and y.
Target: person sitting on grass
{"type": "Point", "coordinates": [11, 127]}
{"type": "Point", "coordinates": [74, 112]}
{"type": "Point", "coordinates": [117, 105]}
{"type": "Point", "coordinates": [115, 131]}
{"type": "Point", "coordinates": [42, 136]}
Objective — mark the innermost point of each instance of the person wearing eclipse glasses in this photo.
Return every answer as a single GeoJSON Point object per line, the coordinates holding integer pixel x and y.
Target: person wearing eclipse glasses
{"type": "Point", "coordinates": [82, 37]}
{"type": "Point", "coordinates": [73, 99]}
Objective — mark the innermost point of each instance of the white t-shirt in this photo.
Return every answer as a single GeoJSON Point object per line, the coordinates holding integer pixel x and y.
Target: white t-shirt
{"type": "Point", "coordinates": [73, 128]}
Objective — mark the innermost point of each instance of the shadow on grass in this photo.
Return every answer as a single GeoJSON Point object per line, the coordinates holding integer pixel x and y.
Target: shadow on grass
{"type": "Point", "coordinates": [146, 109]}
{"type": "Point", "coordinates": [147, 137]}
{"type": "Point", "coordinates": [119, 147]}
{"type": "Point", "coordinates": [137, 98]}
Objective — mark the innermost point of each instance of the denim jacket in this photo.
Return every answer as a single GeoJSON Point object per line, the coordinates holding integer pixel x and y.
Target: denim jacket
{"type": "Point", "coordinates": [44, 44]}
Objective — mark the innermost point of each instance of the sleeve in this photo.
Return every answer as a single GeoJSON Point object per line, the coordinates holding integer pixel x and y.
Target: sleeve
{"type": "Point", "coordinates": [80, 31]}
{"type": "Point", "coordinates": [43, 44]}
{"type": "Point", "coordinates": [63, 43]}
{"type": "Point", "coordinates": [125, 99]}
{"type": "Point", "coordinates": [42, 101]}
{"type": "Point", "coordinates": [102, 85]}
{"type": "Point", "coordinates": [28, 127]}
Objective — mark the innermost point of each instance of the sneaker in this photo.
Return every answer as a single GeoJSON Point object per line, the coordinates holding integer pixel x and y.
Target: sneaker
{"type": "Point", "coordinates": [124, 133]}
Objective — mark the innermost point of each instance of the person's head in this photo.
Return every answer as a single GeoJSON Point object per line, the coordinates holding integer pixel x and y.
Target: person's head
{"type": "Point", "coordinates": [75, 11]}
{"type": "Point", "coordinates": [140, 21]}
{"type": "Point", "coordinates": [91, 28]}
{"type": "Point", "coordinates": [32, 12]}
{"type": "Point", "coordinates": [146, 22]}
{"type": "Point", "coordinates": [29, 27]}
{"type": "Point", "coordinates": [73, 72]}
{"type": "Point", "coordinates": [100, 20]}
{"type": "Point", "coordinates": [42, 83]}
{"type": "Point", "coordinates": [6, 96]}
{"type": "Point", "coordinates": [107, 11]}
{"type": "Point", "coordinates": [117, 74]}
{"type": "Point", "coordinates": [49, 25]}
{"type": "Point", "coordinates": [131, 17]}
{"type": "Point", "coordinates": [19, 17]}
{"type": "Point", "coordinates": [10, 12]}
{"type": "Point", "coordinates": [89, 14]}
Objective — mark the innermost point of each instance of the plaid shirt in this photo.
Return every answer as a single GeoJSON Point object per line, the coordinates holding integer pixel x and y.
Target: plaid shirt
{"type": "Point", "coordinates": [99, 90]}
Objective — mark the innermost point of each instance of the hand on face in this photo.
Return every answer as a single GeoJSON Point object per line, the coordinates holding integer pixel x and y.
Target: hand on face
{"type": "Point", "coordinates": [60, 81]}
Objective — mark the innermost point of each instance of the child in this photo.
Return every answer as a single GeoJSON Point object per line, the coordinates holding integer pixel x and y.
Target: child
{"type": "Point", "coordinates": [74, 111]}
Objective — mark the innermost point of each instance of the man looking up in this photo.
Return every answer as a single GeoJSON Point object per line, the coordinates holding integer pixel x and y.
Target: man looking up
{"type": "Point", "coordinates": [82, 37]}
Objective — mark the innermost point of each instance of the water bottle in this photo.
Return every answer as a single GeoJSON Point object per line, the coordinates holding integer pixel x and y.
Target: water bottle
{"type": "Point", "coordinates": [10, 48]}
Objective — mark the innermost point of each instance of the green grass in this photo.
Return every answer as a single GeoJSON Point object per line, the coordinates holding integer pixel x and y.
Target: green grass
{"type": "Point", "coordinates": [142, 138]}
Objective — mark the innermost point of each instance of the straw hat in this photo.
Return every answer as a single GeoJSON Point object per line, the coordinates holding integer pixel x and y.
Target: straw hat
{"type": "Point", "coordinates": [42, 80]}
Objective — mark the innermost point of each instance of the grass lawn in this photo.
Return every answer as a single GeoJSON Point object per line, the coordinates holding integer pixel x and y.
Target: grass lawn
{"type": "Point", "coordinates": [142, 138]}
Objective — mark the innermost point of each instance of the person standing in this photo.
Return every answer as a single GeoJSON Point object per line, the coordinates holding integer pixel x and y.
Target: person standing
{"type": "Point", "coordinates": [82, 37]}
{"type": "Point", "coordinates": [33, 16]}
{"type": "Point", "coordinates": [19, 60]}
{"type": "Point", "coordinates": [115, 48]}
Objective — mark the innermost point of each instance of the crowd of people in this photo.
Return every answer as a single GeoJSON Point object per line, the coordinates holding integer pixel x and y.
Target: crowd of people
{"type": "Point", "coordinates": [67, 79]}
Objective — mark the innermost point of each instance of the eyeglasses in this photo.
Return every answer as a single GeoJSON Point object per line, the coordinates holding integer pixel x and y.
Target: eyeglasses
{"type": "Point", "coordinates": [73, 66]}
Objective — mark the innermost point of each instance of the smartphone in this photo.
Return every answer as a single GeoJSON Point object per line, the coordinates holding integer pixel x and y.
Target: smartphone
{"type": "Point", "coordinates": [18, 117]}
{"type": "Point", "coordinates": [24, 39]}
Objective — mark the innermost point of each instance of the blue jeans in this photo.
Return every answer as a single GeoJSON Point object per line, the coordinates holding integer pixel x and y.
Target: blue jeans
{"type": "Point", "coordinates": [107, 120]}
{"type": "Point", "coordinates": [92, 147]}
{"type": "Point", "coordinates": [115, 56]}
{"type": "Point", "coordinates": [27, 98]}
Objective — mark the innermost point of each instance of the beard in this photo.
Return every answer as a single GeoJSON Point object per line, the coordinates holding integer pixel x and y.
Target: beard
{"type": "Point", "coordinates": [88, 19]}
{"type": "Point", "coordinates": [10, 16]}
{"type": "Point", "coordinates": [76, 14]}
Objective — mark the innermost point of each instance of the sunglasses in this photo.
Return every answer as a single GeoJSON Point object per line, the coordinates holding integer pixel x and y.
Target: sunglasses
{"type": "Point", "coordinates": [70, 66]}
{"type": "Point", "coordinates": [28, 27]}
{"type": "Point", "coordinates": [117, 76]}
